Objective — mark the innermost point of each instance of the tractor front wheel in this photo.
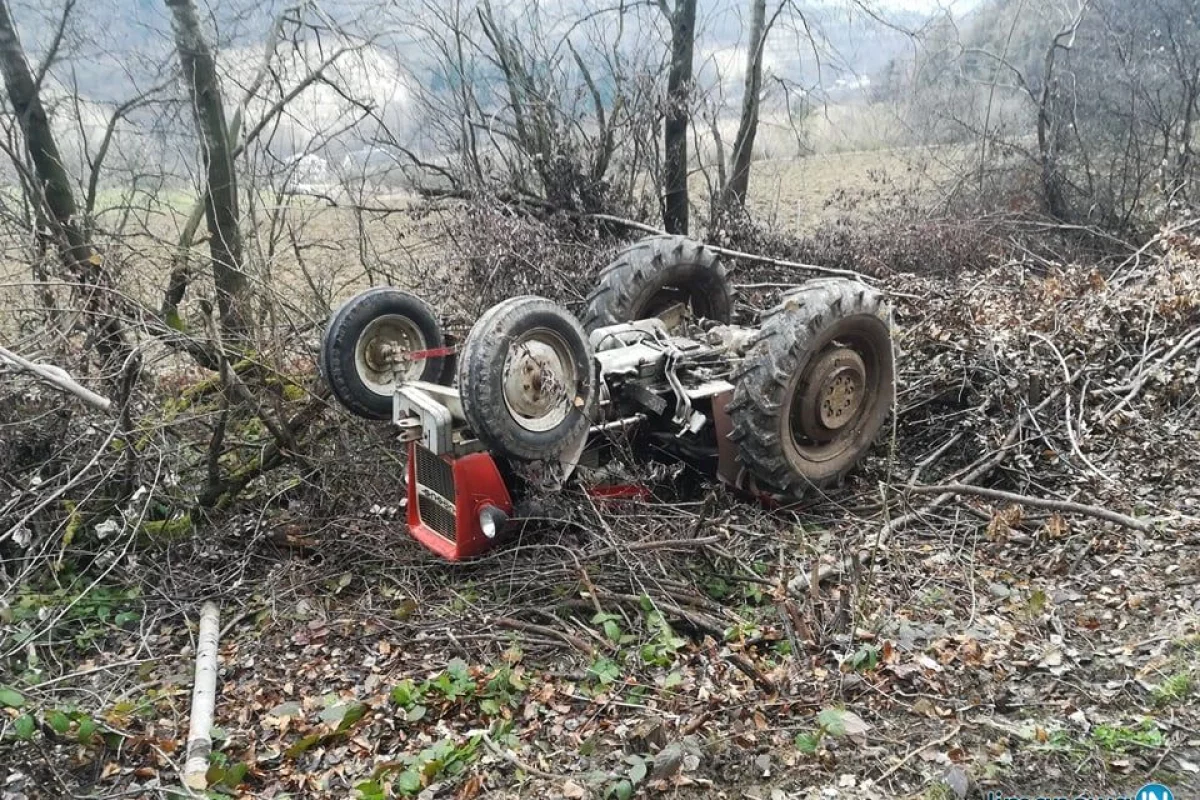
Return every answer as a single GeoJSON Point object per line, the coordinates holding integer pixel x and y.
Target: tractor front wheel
{"type": "Point", "coordinates": [815, 390]}
{"type": "Point", "coordinates": [364, 351]}
{"type": "Point", "coordinates": [527, 381]}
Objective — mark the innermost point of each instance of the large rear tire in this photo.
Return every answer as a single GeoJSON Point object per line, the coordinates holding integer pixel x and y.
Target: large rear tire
{"type": "Point", "coordinates": [527, 380]}
{"type": "Point", "coordinates": [815, 390]}
{"type": "Point", "coordinates": [655, 274]}
{"type": "Point", "coordinates": [354, 351]}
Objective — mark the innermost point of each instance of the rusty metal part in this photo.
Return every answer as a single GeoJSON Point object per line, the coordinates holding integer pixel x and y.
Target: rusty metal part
{"type": "Point", "coordinates": [537, 375]}
{"type": "Point", "coordinates": [379, 354]}
{"type": "Point", "coordinates": [728, 468]}
{"type": "Point", "coordinates": [832, 394]}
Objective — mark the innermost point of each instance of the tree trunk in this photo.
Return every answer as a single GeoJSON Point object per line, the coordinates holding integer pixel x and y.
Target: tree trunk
{"type": "Point", "coordinates": [1181, 173]}
{"type": "Point", "coordinates": [221, 201]}
{"type": "Point", "coordinates": [1049, 124]}
{"type": "Point", "coordinates": [54, 197]}
{"type": "Point", "coordinates": [675, 127]}
{"type": "Point", "coordinates": [733, 194]}
{"type": "Point", "coordinates": [1047, 138]}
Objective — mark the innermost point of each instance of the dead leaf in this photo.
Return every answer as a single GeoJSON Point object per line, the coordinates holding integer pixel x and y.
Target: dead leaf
{"type": "Point", "coordinates": [1004, 521]}
{"type": "Point", "coordinates": [971, 653]}
{"type": "Point", "coordinates": [1052, 657]}
{"type": "Point", "coordinates": [932, 755]}
{"type": "Point", "coordinates": [470, 788]}
{"type": "Point", "coordinates": [572, 791]}
{"type": "Point", "coordinates": [1056, 527]}
{"type": "Point", "coordinates": [959, 781]}
{"type": "Point", "coordinates": [839, 722]}
{"type": "Point", "coordinates": [924, 705]}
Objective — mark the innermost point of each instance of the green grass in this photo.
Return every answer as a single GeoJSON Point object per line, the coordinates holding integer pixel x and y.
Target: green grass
{"type": "Point", "coordinates": [1175, 688]}
{"type": "Point", "coordinates": [1120, 738]}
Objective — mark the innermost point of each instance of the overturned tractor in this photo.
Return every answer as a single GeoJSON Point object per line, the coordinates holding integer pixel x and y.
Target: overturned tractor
{"type": "Point", "coordinates": [531, 394]}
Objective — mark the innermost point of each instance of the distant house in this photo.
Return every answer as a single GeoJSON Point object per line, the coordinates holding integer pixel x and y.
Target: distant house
{"type": "Point", "coordinates": [308, 174]}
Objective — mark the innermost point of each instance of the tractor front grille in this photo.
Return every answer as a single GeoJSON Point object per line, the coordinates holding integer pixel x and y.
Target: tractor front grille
{"type": "Point", "coordinates": [436, 517]}
{"type": "Point", "coordinates": [435, 491]}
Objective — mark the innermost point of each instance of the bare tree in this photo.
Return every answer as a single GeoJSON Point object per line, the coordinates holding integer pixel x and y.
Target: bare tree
{"type": "Point", "coordinates": [678, 115]}
{"type": "Point", "coordinates": [221, 195]}
{"type": "Point", "coordinates": [51, 186]}
{"type": "Point", "coordinates": [1051, 124]}
{"type": "Point", "coordinates": [1083, 110]}
{"type": "Point", "coordinates": [733, 193]}
{"type": "Point", "coordinates": [546, 112]}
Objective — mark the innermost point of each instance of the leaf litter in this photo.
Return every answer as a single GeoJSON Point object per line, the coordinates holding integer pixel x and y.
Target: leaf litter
{"type": "Point", "coordinates": [695, 645]}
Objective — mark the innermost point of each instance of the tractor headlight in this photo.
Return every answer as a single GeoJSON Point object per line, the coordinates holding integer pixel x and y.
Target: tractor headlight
{"type": "Point", "coordinates": [490, 520]}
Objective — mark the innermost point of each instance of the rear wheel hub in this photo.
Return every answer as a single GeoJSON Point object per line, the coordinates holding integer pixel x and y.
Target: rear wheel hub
{"type": "Point", "coordinates": [833, 393]}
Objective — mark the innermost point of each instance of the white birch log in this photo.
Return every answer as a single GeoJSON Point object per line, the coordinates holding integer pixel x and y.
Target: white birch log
{"type": "Point", "coordinates": [204, 698]}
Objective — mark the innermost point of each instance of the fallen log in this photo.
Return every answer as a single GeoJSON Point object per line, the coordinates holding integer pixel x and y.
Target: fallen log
{"type": "Point", "coordinates": [204, 698]}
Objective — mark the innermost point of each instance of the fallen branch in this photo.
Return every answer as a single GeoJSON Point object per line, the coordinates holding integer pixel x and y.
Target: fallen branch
{"type": "Point", "coordinates": [980, 469]}
{"type": "Point", "coordinates": [1064, 506]}
{"type": "Point", "coordinates": [686, 545]}
{"type": "Point", "coordinates": [914, 751]}
{"type": "Point", "coordinates": [974, 472]}
{"type": "Point", "coordinates": [543, 630]}
{"type": "Point", "coordinates": [738, 254]}
{"type": "Point", "coordinates": [1184, 344]}
{"type": "Point", "coordinates": [58, 377]}
{"type": "Point", "coordinates": [511, 757]}
{"type": "Point", "coordinates": [752, 672]}
{"type": "Point", "coordinates": [204, 697]}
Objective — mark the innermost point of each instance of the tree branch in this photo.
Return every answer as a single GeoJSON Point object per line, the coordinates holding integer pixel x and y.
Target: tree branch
{"type": "Point", "coordinates": [1040, 502]}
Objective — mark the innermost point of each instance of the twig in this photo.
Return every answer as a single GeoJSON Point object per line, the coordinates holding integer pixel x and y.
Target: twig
{"type": "Point", "coordinates": [1185, 344]}
{"type": "Point", "coordinates": [102, 668]}
{"type": "Point", "coordinates": [912, 753]}
{"type": "Point", "coordinates": [752, 672]}
{"type": "Point", "coordinates": [511, 758]}
{"type": "Point", "coordinates": [544, 630]}
{"type": "Point", "coordinates": [973, 473]}
{"type": "Point", "coordinates": [653, 544]}
{"type": "Point", "coordinates": [934, 456]}
{"type": "Point", "coordinates": [738, 254]}
{"type": "Point", "coordinates": [1040, 502]}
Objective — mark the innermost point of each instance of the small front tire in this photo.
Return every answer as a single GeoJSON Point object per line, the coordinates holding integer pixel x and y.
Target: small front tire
{"type": "Point", "coordinates": [363, 339]}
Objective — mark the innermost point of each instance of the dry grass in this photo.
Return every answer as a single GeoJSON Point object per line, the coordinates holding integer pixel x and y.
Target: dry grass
{"type": "Point", "coordinates": [797, 195]}
{"type": "Point", "coordinates": [311, 255]}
